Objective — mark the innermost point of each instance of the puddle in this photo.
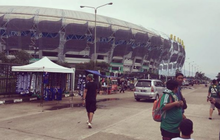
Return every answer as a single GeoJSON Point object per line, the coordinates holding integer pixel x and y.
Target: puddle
{"type": "Point", "coordinates": [81, 105]}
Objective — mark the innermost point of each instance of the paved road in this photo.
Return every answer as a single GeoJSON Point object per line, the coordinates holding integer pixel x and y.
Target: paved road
{"type": "Point", "coordinates": [118, 118]}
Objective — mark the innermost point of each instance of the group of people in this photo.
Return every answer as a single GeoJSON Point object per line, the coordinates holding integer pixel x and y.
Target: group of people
{"type": "Point", "coordinates": [125, 84]}
{"type": "Point", "coordinates": [173, 105]}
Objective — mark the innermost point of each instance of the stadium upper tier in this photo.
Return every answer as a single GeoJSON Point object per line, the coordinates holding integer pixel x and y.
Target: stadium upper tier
{"type": "Point", "coordinates": [66, 35]}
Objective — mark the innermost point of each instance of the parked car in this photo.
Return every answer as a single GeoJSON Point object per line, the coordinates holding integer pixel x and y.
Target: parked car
{"type": "Point", "coordinates": [148, 89]}
{"type": "Point", "coordinates": [185, 83]}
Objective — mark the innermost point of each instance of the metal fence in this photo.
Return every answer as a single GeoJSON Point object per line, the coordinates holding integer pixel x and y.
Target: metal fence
{"type": "Point", "coordinates": [8, 80]}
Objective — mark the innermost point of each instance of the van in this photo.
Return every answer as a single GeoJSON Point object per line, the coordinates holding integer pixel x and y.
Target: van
{"type": "Point", "coordinates": [148, 89]}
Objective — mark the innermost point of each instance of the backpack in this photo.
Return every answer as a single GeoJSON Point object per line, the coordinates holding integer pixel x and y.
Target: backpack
{"type": "Point", "coordinates": [157, 113]}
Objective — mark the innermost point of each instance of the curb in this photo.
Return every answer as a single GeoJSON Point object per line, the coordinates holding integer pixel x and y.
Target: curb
{"type": "Point", "coordinates": [17, 100]}
{"type": "Point", "coordinates": [20, 99]}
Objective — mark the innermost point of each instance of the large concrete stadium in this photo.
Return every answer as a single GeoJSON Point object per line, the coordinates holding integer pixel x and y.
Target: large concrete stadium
{"type": "Point", "coordinates": [68, 36]}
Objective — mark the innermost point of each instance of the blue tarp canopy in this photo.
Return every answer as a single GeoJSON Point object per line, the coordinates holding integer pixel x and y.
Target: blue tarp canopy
{"type": "Point", "coordinates": [95, 72]}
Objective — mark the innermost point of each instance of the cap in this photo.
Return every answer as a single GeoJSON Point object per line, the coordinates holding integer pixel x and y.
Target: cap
{"type": "Point", "coordinates": [90, 76]}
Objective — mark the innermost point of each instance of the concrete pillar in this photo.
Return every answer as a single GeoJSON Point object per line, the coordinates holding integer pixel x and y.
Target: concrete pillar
{"type": "Point", "coordinates": [61, 57]}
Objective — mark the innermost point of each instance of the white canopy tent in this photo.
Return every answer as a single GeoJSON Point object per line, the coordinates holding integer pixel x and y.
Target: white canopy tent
{"type": "Point", "coordinates": [46, 65]}
{"type": "Point", "coordinates": [43, 65]}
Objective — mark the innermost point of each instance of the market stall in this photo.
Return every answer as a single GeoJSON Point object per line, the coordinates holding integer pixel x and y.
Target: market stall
{"type": "Point", "coordinates": [45, 78]}
{"type": "Point", "coordinates": [104, 88]}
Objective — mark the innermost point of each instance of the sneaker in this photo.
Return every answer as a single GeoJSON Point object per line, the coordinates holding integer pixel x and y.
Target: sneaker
{"type": "Point", "coordinates": [89, 125]}
{"type": "Point", "coordinates": [210, 118]}
{"type": "Point", "coordinates": [87, 122]}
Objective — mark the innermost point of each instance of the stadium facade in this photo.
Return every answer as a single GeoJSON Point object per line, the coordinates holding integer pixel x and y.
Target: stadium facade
{"type": "Point", "coordinates": [68, 36]}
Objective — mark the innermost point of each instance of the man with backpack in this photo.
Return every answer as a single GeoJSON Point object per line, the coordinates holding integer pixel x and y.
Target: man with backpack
{"type": "Point", "coordinates": [172, 111]}
{"type": "Point", "coordinates": [213, 93]}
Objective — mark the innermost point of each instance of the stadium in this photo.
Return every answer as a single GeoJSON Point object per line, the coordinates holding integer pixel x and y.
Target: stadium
{"type": "Point", "coordinates": [68, 36]}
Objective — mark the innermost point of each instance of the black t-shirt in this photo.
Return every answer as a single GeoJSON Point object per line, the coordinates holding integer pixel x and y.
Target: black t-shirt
{"type": "Point", "coordinates": [91, 91]}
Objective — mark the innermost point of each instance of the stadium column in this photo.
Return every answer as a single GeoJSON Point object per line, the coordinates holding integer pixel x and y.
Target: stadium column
{"type": "Point", "coordinates": [111, 52]}
{"type": "Point", "coordinates": [1, 47]}
{"type": "Point", "coordinates": [61, 56]}
{"type": "Point", "coordinates": [133, 65]}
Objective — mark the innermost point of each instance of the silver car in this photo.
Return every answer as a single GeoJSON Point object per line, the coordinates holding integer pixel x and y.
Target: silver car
{"type": "Point", "coordinates": [148, 89]}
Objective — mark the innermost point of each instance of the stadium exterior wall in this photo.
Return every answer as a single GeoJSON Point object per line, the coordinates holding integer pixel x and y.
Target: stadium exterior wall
{"type": "Point", "coordinates": [64, 35]}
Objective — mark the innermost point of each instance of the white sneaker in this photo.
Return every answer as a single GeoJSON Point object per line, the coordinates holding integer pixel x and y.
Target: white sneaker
{"type": "Point", "coordinates": [89, 125]}
{"type": "Point", "coordinates": [87, 122]}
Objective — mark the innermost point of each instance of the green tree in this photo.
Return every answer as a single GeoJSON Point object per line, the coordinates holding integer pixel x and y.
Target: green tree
{"type": "Point", "coordinates": [103, 66]}
{"type": "Point", "coordinates": [218, 76]}
{"type": "Point", "coordinates": [201, 76]}
{"type": "Point", "coordinates": [21, 57]}
{"type": "Point", "coordinates": [3, 58]}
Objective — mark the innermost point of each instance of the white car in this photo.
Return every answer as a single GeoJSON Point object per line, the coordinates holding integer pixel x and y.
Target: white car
{"type": "Point", "coordinates": [148, 89]}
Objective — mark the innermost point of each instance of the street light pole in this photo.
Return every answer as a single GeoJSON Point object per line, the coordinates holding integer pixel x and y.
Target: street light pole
{"type": "Point", "coordinates": [95, 8]}
{"type": "Point", "coordinates": [189, 69]}
{"type": "Point", "coordinates": [184, 65]}
{"type": "Point", "coordinates": [192, 68]}
{"type": "Point", "coordinates": [95, 57]}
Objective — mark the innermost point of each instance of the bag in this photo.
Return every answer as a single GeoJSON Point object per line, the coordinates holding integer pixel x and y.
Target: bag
{"type": "Point", "coordinates": [217, 91]}
{"type": "Point", "coordinates": [157, 113]}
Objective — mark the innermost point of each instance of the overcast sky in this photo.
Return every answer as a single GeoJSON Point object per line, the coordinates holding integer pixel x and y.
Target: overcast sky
{"type": "Point", "coordinates": [196, 22]}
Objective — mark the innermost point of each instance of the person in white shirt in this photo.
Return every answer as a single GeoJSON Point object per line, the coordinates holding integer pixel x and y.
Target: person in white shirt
{"type": "Point", "coordinates": [186, 129]}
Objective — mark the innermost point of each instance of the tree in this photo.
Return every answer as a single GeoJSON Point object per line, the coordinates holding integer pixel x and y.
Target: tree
{"type": "Point", "coordinates": [201, 76]}
{"type": "Point", "coordinates": [21, 57]}
{"type": "Point", "coordinates": [218, 76]}
{"type": "Point", "coordinates": [102, 66]}
{"type": "Point", "coordinates": [3, 58]}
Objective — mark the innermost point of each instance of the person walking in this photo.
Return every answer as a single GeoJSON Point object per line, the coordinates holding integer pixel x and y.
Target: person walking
{"type": "Point", "coordinates": [89, 98]}
{"type": "Point", "coordinates": [217, 105]}
{"type": "Point", "coordinates": [128, 84]}
{"type": "Point", "coordinates": [213, 93]}
{"type": "Point", "coordinates": [122, 86]}
{"type": "Point", "coordinates": [172, 115]}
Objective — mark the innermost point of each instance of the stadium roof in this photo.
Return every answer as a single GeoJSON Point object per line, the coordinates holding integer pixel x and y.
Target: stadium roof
{"type": "Point", "coordinates": [48, 13]}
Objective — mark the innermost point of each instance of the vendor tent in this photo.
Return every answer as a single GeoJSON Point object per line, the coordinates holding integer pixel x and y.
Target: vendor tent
{"type": "Point", "coordinates": [43, 65]}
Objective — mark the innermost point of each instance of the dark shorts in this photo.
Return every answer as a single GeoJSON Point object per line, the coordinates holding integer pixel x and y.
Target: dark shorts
{"type": "Point", "coordinates": [91, 106]}
{"type": "Point", "coordinates": [168, 135]}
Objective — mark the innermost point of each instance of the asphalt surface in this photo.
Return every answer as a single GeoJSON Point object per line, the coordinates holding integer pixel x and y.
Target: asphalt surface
{"type": "Point", "coordinates": [119, 117]}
